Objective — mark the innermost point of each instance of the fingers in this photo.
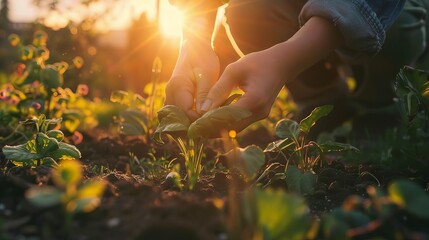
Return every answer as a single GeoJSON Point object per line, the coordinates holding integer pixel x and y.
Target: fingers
{"type": "Point", "coordinates": [220, 90]}
{"type": "Point", "coordinates": [204, 82]}
{"type": "Point", "coordinates": [180, 92]}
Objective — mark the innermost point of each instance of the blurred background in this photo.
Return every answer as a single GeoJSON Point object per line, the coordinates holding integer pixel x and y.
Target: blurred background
{"type": "Point", "coordinates": [118, 39]}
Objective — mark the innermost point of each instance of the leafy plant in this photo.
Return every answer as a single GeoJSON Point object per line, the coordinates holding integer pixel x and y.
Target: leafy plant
{"type": "Point", "coordinates": [37, 87]}
{"type": "Point", "coordinates": [303, 154]}
{"type": "Point", "coordinates": [46, 147]}
{"type": "Point", "coordinates": [274, 214]}
{"type": "Point", "coordinates": [138, 117]}
{"type": "Point", "coordinates": [379, 215]}
{"type": "Point", "coordinates": [174, 122]}
{"type": "Point", "coordinates": [68, 191]}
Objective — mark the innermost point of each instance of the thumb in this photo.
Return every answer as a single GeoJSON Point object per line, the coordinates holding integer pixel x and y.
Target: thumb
{"type": "Point", "coordinates": [219, 92]}
{"type": "Point", "coordinates": [204, 81]}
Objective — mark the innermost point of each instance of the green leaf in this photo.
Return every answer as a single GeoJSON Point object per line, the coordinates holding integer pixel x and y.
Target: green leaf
{"type": "Point", "coordinates": [134, 122]}
{"type": "Point", "coordinates": [411, 197]}
{"type": "Point", "coordinates": [48, 161]}
{"type": "Point", "coordinates": [252, 158]}
{"type": "Point", "coordinates": [171, 119]}
{"type": "Point", "coordinates": [297, 181]}
{"type": "Point", "coordinates": [20, 153]}
{"type": "Point", "coordinates": [57, 134]}
{"type": "Point", "coordinates": [287, 128]}
{"type": "Point", "coordinates": [213, 121]}
{"type": "Point", "coordinates": [45, 144]}
{"type": "Point", "coordinates": [65, 150]}
{"type": "Point", "coordinates": [43, 196]}
{"type": "Point", "coordinates": [338, 222]}
{"type": "Point", "coordinates": [51, 78]}
{"type": "Point", "coordinates": [282, 215]}
{"type": "Point", "coordinates": [121, 97]}
{"type": "Point", "coordinates": [336, 147]}
{"type": "Point", "coordinates": [319, 112]}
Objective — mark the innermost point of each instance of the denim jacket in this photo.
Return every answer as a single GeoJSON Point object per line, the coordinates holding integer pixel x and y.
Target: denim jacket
{"type": "Point", "coordinates": [362, 23]}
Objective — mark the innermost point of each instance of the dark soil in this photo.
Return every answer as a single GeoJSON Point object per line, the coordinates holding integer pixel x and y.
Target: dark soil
{"type": "Point", "coordinates": [137, 207]}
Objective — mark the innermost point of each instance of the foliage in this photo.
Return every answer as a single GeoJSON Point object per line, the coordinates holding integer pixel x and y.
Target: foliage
{"type": "Point", "coordinates": [46, 147]}
{"type": "Point", "coordinates": [74, 196]}
{"type": "Point", "coordinates": [174, 122]}
{"type": "Point", "coordinates": [37, 87]}
{"type": "Point", "coordinates": [303, 154]}
{"type": "Point", "coordinates": [273, 214]}
{"type": "Point", "coordinates": [138, 117]}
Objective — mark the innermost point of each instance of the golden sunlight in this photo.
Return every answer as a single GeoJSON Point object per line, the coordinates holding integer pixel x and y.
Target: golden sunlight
{"type": "Point", "coordinates": [171, 20]}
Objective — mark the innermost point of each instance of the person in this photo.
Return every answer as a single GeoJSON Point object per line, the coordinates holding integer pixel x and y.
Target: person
{"type": "Point", "coordinates": [308, 46]}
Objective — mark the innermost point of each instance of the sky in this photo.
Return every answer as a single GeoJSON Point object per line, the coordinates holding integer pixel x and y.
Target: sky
{"type": "Point", "coordinates": [119, 13]}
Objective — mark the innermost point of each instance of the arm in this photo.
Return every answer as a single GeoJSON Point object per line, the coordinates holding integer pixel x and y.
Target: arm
{"type": "Point", "coordinates": [197, 67]}
{"type": "Point", "coordinates": [261, 75]}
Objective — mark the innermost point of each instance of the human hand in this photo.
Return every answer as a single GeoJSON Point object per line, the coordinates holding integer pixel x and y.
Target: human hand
{"type": "Point", "coordinates": [196, 70]}
{"type": "Point", "coordinates": [261, 78]}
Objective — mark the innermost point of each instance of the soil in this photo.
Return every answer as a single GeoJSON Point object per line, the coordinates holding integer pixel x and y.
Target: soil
{"type": "Point", "coordinates": [135, 206]}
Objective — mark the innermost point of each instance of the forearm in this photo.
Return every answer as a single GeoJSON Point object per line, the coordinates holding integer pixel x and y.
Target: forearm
{"type": "Point", "coordinates": [314, 41]}
{"type": "Point", "coordinates": [199, 20]}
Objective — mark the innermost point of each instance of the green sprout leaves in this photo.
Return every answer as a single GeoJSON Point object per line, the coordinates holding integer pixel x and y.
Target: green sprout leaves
{"type": "Point", "coordinates": [44, 148]}
{"type": "Point", "coordinates": [75, 197]}
{"type": "Point", "coordinates": [301, 182]}
{"type": "Point", "coordinates": [248, 160]}
{"type": "Point", "coordinates": [172, 119]}
{"type": "Point", "coordinates": [214, 120]}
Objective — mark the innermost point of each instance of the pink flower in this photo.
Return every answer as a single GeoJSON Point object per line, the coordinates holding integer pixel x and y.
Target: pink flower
{"type": "Point", "coordinates": [36, 105]}
{"type": "Point", "coordinates": [13, 100]}
{"type": "Point", "coordinates": [4, 94]}
{"type": "Point", "coordinates": [82, 89]}
{"type": "Point", "coordinates": [76, 138]}
{"type": "Point", "coordinates": [35, 84]}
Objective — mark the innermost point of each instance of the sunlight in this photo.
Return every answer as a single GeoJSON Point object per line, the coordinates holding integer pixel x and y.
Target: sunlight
{"type": "Point", "coordinates": [171, 20]}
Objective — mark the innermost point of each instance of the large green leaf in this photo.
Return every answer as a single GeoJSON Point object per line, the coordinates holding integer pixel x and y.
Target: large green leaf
{"type": "Point", "coordinates": [65, 150]}
{"type": "Point", "coordinates": [297, 181]}
{"type": "Point", "coordinates": [51, 78]}
{"type": "Point", "coordinates": [411, 197]}
{"type": "Point", "coordinates": [319, 112]}
{"type": "Point", "coordinates": [282, 215]}
{"type": "Point", "coordinates": [213, 121]}
{"type": "Point", "coordinates": [45, 144]}
{"type": "Point", "coordinates": [339, 221]}
{"type": "Point", "coordinates": [43, 196]}
{"type": "Point", "coordinates": [249, 160]}
{"type": "Point", "coordinates": [134, 122]}
{"type": "Point", "coordinates": [21, 153]}
{"type": "Point", "coordinates": [287, 128]}
{"type": "Point", "coordinates": [57, 134]}
{"type": "Point", "coordinates": [171, 119]}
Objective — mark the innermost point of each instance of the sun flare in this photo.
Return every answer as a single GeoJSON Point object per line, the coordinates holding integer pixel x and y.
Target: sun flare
{"type": "Point", "coordinates": [171, 20]}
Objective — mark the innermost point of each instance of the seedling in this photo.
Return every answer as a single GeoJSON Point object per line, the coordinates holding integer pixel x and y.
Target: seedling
{"type": "Point", "coordinates": [36, 87]}
{"type": "Point", "coordinates": [174, 122]}
{"type": "Point", "coordinates": [46, 147]}
{"type": "Point", "coordinates": [68, 191]}
{"type": "Point", "coordinates": [138, 118]}
{"type": "Point", "coordinates": [303, 154]}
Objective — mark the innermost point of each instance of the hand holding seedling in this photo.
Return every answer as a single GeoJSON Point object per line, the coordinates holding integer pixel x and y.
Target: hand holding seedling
{"type": "Point", "coordinates": [261, 75]}
{"type": "Point", "coordinates": [196, 70]}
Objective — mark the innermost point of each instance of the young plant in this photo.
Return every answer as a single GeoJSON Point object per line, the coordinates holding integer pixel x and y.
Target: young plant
{"type": "Point", "coordinates": [36, 87]}
{"type": "Point", "coordinates": [174, 122]}
{"type": "Point", "coordinates": [301, 154]}
{"type": "Point", "coordinates": [138, 118]}
{"type": "Point", "coordinates": [45, 147]}
{"type": "Point", "coordinates": [68, 191]}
